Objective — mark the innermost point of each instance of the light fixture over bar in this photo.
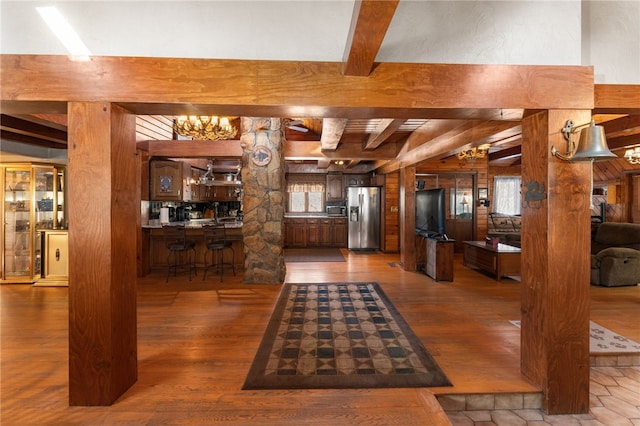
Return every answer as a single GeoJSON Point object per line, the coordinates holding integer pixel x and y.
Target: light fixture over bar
{"type": "Point", "coordinates": [202, 127]}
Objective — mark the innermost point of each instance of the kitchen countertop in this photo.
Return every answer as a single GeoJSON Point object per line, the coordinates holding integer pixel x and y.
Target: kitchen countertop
{"type": "Point", "coordinates": [311, 216]}
{"type": "Point", "coordinates": [196, 223]}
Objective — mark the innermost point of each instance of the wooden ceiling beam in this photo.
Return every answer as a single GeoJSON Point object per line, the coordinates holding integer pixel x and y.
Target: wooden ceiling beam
{"type": "Point", "coordinates": [369, 24]}
{"type": "Point", "coordinates": [450, 142]}
{"type": "Point", "coordinates": [616, 99]}
{"type": "Point", "coordinates": [323, 163]}
{"type": "Point", "coordinates": [384, 129]}
{"type": "Point", "coordinates": [165, 86]}
{"type": "Point", "coordinates": [31, 140]}
{"type": "Point", "coordinates": [14, 125]}
{"type": "Point", "coordinates": [623, 142]}
{"type": "Point", "coordinates": [623, 126]}
{"type": "Point", "coordinates": [332, 130]}
{"type": "Point", "coordinates": [192, 149]}
{"type": "Point", "coordinates": [294, 150]}
{"type": "Point", "coordinates": [514, 151]}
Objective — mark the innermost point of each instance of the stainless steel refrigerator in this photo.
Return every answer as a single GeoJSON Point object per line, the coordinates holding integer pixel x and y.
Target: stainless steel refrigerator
{"type": "Point", "coordinates": [363, 210]}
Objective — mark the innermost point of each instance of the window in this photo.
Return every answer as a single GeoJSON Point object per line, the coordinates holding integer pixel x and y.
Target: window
{"type": "Point", "coordinates": [506, 194]}
{"type": "Point", "coordinates": [306, 197]}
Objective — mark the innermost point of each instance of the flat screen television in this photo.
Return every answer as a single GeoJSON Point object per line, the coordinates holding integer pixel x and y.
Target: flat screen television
{"type": "Point", "coordinates": [430, 212]}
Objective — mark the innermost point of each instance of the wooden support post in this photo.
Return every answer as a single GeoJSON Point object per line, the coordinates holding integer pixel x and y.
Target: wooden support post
{"type": "Point", "coordinates": [104, 205]}
{"type": "Point", "coordinates": [555, 264]}
{"type": "Point", "coordinates": [408, 218]}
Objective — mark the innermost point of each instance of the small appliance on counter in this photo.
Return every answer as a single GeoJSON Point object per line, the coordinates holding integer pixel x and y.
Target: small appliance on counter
{"type": "Point", "coordinates": [337, 211]}
{"type": "Point", "coordinates": [182, 213]}
{"type": "Point", "coordinates": [195, 214]}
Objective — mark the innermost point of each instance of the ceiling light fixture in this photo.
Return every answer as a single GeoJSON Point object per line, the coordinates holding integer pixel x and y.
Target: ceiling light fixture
{"type": "Point", "coordinates": [203, 127]}
{"type": "Point", "coordinates": [592, 145]}
{"type": "Point", "coordinates": [633, 155]}
{"type": "Point", "coordinates": [474, 153]}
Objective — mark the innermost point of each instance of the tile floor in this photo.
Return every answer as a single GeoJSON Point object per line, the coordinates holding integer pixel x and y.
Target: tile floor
{"type": "Point", "coordinates": [614, 394]}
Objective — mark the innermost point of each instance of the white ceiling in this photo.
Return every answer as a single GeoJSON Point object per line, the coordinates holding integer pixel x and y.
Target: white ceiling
{"type": "Point", "coordinates": [493, 32]}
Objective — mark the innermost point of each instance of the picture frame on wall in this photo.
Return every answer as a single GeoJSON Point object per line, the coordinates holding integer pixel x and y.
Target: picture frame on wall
{"type": "Point", "coordinates": [483, 193]}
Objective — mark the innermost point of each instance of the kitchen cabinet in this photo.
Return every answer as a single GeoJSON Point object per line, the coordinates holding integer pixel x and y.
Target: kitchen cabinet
{"type": "Point", "coordinates": [340, 232]}
{"type": "Point", "coordinates": [325, 231]}
{"type": "Point", "coordinates": [223, 191]}
{"type": "Point", "coordinates": [313, 232]}
{"type": "Point", "coordinates": [33, 199]}
{"type": "Point", "coordinates": [316, 232]}
{"type": "Point", "coordinates": [357, 180]}
{"type": "Point", "coordinates": [170, 181]}
{"type": "Point", "coordinates": [335, 187]}
{"type": "Point", "coordinates": [295, 232]}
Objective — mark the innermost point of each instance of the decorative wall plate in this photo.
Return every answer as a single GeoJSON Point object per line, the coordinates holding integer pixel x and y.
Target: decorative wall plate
{"type": "Point", "coordinates": [261, 155]}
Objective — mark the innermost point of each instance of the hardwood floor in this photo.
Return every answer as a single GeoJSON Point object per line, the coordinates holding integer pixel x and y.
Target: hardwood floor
{"type": "Point", "coordinates": [197, 339]}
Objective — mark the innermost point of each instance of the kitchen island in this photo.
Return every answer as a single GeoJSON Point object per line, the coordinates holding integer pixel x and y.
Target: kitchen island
{"type": "Point", "coordinates": [154, 252]}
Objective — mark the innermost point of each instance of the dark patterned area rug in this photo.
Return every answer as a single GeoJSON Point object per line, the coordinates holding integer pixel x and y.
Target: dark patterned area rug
{"type": "Point", "coordinates": [340, 335]}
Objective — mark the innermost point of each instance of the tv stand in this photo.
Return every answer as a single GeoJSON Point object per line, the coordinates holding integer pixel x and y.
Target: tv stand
{"type": "Point", "coordinates": [438, 256]}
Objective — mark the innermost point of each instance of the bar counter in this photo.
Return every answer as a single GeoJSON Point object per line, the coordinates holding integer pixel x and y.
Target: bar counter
{"type": "Point", "coordinates": [154, 251]}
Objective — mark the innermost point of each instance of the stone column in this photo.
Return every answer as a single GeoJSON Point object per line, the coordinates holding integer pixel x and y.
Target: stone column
{"type": "Point", "coordinates": [263, 181]}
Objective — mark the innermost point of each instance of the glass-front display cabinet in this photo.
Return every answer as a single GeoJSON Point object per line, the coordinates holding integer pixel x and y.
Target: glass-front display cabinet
{"type": "Point", "coordinates": [33, 199]}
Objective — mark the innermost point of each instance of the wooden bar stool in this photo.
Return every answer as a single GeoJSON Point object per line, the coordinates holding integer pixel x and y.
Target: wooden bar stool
{"type": "Point", "coordinates": [180, 248]}
{"type": "Point", "coordinates": [215, 240]}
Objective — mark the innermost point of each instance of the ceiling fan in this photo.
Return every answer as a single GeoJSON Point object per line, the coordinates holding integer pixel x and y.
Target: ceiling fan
{"type": "Point", "coordinates": [295, 125]}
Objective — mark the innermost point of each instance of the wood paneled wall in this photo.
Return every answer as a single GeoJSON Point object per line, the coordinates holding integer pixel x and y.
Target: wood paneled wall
{"type": "Point", "coordinates": [153, 127]}
{"type": "Point", "coordinates": [392, 212]}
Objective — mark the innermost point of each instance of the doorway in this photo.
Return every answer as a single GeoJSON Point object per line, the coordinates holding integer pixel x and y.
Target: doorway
{"type": "Point", "coordinates": [460, 203]}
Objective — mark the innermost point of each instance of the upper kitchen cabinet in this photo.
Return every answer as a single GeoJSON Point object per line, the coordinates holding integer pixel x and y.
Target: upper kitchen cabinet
{"type": "Point", "coordinates": [357, 180]}
{"type": "Point", "coordinates": [33, 200]}
{"type": "Point", "coordinates": [170, 181]}
{"type": "Point", "coordinates": [335, 187]}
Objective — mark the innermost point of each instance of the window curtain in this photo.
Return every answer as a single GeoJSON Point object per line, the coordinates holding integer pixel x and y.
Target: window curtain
{"type": "Point", "coordinates": [305, 187]}
{"type": "Point", "coordinates": [506, 194]}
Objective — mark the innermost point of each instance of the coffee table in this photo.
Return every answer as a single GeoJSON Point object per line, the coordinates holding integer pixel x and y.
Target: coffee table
{"type": "Point", "coordinates": [500, 260]}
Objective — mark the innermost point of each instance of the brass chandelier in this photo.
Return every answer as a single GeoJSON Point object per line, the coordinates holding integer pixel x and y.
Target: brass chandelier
{"type": "Point", "coordinates": [474, 153]}
{"type": "Point", "coordinates": [632, 155]}
{"type": "Point", "coordinates": [203, 127]}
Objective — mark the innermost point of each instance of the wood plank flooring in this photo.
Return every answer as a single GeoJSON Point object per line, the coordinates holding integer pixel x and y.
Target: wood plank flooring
{"type": "Point", "coordinates": [197, 339]}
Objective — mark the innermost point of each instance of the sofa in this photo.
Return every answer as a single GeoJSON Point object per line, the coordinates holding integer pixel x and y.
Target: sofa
{"type": "Point", "coordinates": [615, 254]}
{"type": "Point", "coordinates": [505, 227]}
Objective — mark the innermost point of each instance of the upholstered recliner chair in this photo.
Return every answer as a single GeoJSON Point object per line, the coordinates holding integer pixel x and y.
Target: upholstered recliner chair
{"type": "Point", "coordinates": [615, 254]}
